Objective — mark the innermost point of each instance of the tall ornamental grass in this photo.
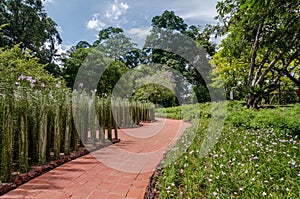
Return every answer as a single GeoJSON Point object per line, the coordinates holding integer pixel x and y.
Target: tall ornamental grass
{"type": "Point", "coordinates": [37, 115]}
{"type": "Point", "coordinates": [37, 126]}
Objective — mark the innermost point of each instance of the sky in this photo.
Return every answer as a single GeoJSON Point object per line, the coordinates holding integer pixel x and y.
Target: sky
{"type": "Point", "coordinates": [81, 20]}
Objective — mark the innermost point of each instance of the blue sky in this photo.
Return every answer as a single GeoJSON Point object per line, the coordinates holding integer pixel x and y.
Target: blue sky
{"type": "Point", "coordinates": [82, 19]}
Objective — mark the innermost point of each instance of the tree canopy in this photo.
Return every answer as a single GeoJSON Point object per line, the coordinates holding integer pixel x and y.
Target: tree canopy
{"type": "Point", "coordinates": [27, 24]}
{"type": "Point", "coordinates": [22, 69]}
{"type": "Point", "coordinates": [170, 29]}
{"type": "Point", "coordinates": [264, 35]}
{"type": "Point", "coordinates": [104, 57]}
{"type": "Point", "coordinates": [258, 55]}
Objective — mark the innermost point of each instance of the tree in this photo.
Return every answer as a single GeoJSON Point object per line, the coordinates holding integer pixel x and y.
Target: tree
{"type": "Point", "coordinates": [169, 28]}
{"type": "Point", "coordinates": [134, 58]}
{"type": "Point", "coordinates": [147, 83]}
{"type": "Point", "coordinates": [231, 73]}
{"type": "Point", "coordinates": [72, 63]}
{"type": "Point", "coordinates": [295, 75]}
{"type": "Point", "coordinates": [83, 44]}
{"type": "Point", "coordinates": [110, 77]}
{"type": "Point", "coordinates": [107, 33]}
{"type": "Point", "coordinates": [156, 86]}
{"type": "Point", "coordinates": [29, 26]}
{"type": "Point", "coordinates": [169, 21]}
{"type": "Point", "coordinates": [19, 68]}
{"type": "Point", "coordinates": [266, 35]}
{"type": "Point", "coordinates": [114, 43]}
{"type": "Point", "coordinates": [156, 94]}
{"type": "Point", "coordinates": [202, 35]}
{"type": "Point", "coordinates": [92, 61]}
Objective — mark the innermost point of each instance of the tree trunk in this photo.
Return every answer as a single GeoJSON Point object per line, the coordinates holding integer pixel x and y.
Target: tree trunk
{"type": "Point", "coordinates": [253, 101]}
{"type": "Point", "coordinates": [279, 95]}
{"type": "Point", "coordinates": [298, 95]}
{"type": "Point", "coordinates": [254, 53]}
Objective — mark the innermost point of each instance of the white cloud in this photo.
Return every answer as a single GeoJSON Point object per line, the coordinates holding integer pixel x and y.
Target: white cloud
{"type": "Point", "coordinates": [116, 10]}
{"type": "Point", "coordinates": [113, 15]}
{"type": "Point", "coordinates": [197, 10]}
{"type": "Point", "coordinates": [140, 33]}
{"type": "Point", "coordinates": [95, 23]}
{"type": "Point", "coordinates": [199, 15]}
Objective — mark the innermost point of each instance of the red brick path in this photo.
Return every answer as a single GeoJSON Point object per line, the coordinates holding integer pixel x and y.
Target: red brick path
{"type": "Point", "coordinates": [118, 171]}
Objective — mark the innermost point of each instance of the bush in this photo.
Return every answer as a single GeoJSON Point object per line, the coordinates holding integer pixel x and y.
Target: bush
{"type": "Point", "coordinates": [283, 119]}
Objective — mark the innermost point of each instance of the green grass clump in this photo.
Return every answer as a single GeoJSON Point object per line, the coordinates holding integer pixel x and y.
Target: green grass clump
{"type": "Point", "coordinates": [283, 119]}
{"type": "Point", "coordinates": [257, 156]}
{"type": "Point", "coordinates": [185, 112]}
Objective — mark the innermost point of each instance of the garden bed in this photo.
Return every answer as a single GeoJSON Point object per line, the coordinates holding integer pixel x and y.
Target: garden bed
{"type": "Point", "coordinates": [256, 156]}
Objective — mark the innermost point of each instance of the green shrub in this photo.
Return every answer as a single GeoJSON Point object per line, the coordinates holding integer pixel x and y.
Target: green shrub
{"type": "Point", "coordinates": [285, 119]}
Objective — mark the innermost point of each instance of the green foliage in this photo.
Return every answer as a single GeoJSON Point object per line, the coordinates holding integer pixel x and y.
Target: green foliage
{"type": "Point", "coordinates": [171, 42]}
{"type": "Point", "coordinates": [36, 112]}
{"type": "Point", "coordinates": [27, 24]}
{"type": "Point", "coordinates": [107, 33]}
{"type": "Point", "coordinates": [170, 21]}
{"type": "Point", "coordinates": [155, 84]}
{"type": "Point", "coordinates": [200, 94]}
{"type": "Point", "coordinates": [114, 44]}
{"type": "Point", "coordinates": [256, 156]}
{"type": "Point", "coordinates": [39, 121]}
{"type": "Point", "coordinates": [171, 112]}
{"type": "Point", "coordinates": [186, 112]}
{"type": "Point", "coordinates": [22, 81]}
{"type": "Point", "coordinates": [93, 61]}
{"type": "Point", "coordinates": [73, 63]}
{"type": "Point", "coordinates": [156, 94]}
{"type": "Point", "coordinates": [282, 119]}
{"type": "Point", "coordinates": [230, 73]}
{"type": "Point", "coordinates": [262, 42]}
{"type": "Point", "coordinates": [111, 76]}
{"type": "Point", "coordinates": [19, 68]}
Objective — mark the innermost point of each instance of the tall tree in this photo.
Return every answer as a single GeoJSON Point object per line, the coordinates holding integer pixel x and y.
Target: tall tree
{"type": "Point", "coordinates": [170, 21]}
{"type": "Point", "coordinates": [29, 25]}
{"type": "Point", "coordinates": [72, 62]}
{"type": "Point", "coordinates": [114, 43]}
{"type": "Point", "coordinates": [230, 73]}
{"type": "Point", "coordinates": [169, 28]}
{"type": "Point", "coordinates": [266, 34]}
{"type": "Point", "coordinates": [104, 57]}
{"type": "Point", "coordinates": [110, 77]}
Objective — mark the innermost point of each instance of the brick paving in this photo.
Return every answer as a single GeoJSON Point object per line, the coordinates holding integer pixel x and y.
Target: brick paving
{"type": "Point", "coordinates": [117, 171]}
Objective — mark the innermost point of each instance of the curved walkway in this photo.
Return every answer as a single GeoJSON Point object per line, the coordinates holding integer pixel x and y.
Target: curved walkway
{"type": "Point", "coordinates": [117, 171]}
